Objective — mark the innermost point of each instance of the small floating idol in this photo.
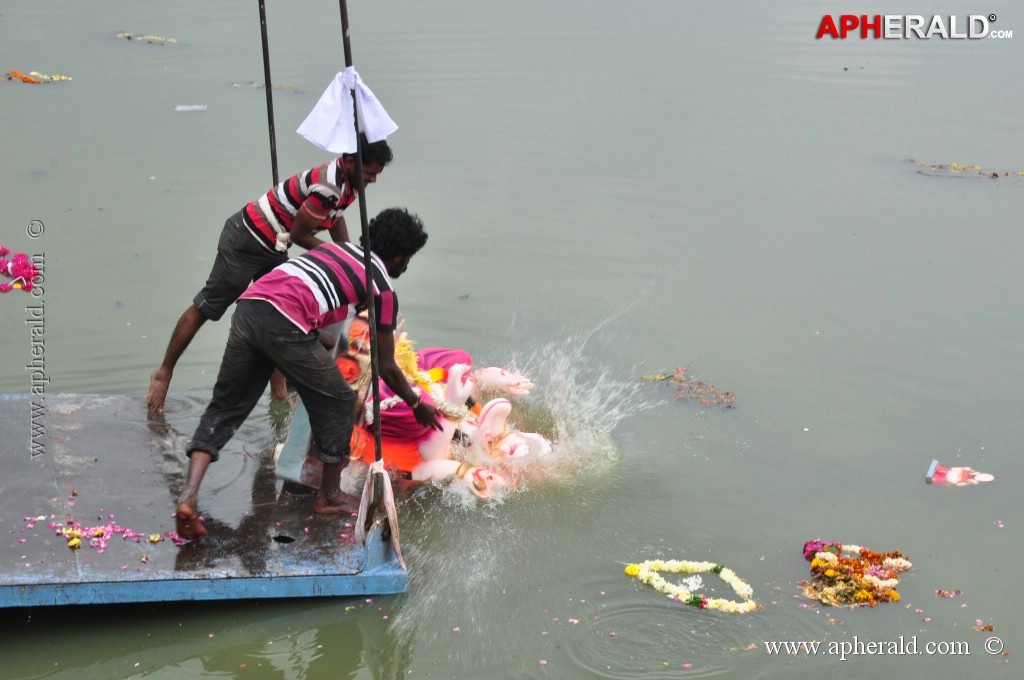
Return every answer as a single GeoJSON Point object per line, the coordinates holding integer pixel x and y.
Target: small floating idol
{"type": "Point", "coordinates": [957, 476]}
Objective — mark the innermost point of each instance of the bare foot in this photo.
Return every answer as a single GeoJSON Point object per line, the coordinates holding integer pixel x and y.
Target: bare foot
{"type": "Point", "coordinates": [340, 504]}
{"type": "Point", "coordinates": [159, 381]}
{"type": "Point", "coordinates": [187, 522]}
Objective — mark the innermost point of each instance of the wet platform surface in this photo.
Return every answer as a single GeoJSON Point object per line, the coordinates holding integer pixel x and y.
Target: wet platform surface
{"type": "Point", "coordinates": [97, 464]}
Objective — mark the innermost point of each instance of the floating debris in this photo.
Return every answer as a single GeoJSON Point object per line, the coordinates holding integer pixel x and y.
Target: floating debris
{"type": "Point", "coordinates": [962, 170]}
{"type": "Point", "coordinates": [253, 85]}
{"type": "Point", "coordinates": [701, 391]}
{"type": "Point", "coordinates": [36, 78]}
{"type": "Point", "coordinates": [151, 39]}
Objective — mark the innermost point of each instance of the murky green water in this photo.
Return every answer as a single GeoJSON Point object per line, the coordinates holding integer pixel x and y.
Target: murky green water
{"type": "Point", "coordinates": [611, 189]}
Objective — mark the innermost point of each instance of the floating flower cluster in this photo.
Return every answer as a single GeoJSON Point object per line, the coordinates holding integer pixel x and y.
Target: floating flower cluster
{"type": "Point", "coordinates": [650, 573]}
{"type": "Point", "coordinates": [19, 268]}
{"type": "Point", "coordinates": [701, 391]}
{"type": "Point", "coordinates": [151, 39]}
{"type": "Point", "coordinates": [35, 77]}
{"type": "Point", "coordinates": [962, 170]}
{"type": "Point", "coordinates": [852, 575]}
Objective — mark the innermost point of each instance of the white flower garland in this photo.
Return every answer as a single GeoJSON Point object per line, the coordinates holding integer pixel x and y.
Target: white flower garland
{"type": "Point", "coordinates": [648, 572]}
{"type": "Point", "coordinates": [385, 404]}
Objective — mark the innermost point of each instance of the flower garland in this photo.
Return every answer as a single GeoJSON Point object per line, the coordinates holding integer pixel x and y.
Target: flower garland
{"type": "Point", "coordinates": [649, 572]}
{"type": "Point", "coordinates": [852, 575]}
{"type": "Point", "coordinates": [422, 382]}
{"type": "Point", "coordinates": [18, 268]}
{"type": "Point", "coordinates": [35, 77]}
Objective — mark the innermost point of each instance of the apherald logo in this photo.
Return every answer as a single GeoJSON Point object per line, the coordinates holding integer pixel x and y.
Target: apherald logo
{"type": "Point", "coordinates": [904, 26]}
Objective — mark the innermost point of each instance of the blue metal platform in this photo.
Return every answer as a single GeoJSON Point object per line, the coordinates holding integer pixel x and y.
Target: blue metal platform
{"type": "Point", "coordinates": [101, 465]}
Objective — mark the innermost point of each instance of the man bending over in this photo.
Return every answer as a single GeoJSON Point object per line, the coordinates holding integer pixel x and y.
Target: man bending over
{"type": "Point", "coordinates": [276, 324]}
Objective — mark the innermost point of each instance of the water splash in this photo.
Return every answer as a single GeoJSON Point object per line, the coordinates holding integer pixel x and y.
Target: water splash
{"type": "Point", "coordinates": [463, 552]}
{"type": "Point", "coordinates": [577, 404]}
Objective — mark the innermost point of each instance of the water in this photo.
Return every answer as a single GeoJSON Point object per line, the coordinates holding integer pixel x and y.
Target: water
{"type": "Point", "coordinates": [611, 190]}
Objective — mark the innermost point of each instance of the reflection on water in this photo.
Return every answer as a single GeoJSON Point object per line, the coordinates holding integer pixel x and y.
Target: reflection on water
{"type": "Point", "coordinates": [282, 640]}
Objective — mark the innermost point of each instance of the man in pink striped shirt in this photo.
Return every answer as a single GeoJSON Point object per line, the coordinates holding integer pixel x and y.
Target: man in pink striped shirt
{"type": "Point", "coordinates": [277, 324]}
{"type": "Point", "coordinates": [256, 239]}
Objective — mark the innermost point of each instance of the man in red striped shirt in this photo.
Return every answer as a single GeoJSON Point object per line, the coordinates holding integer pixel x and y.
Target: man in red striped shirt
{"type": "Point", "coordinates": [276, 324]}
{"type": "Point", "coordinates": [256, 239]}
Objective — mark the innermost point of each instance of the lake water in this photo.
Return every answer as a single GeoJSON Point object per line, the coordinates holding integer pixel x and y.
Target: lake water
{"type": "Point", "coordinates": [611, 190]}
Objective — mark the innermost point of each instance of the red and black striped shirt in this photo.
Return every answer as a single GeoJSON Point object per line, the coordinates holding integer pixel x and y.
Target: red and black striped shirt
{"type": "Point", "coordinates": [324, 190]}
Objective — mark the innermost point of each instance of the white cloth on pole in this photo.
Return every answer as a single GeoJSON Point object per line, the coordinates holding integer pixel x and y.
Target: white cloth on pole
{"type": "Point", "coordinates": [377, 468]}
{"type": "Point", "coordinates": [331, 123]}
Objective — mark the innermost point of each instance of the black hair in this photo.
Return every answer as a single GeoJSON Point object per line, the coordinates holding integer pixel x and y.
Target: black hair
{"type": "Point", "coordinates": [374, 152]}
{"type": "Point", "coordinates": [395, 232]}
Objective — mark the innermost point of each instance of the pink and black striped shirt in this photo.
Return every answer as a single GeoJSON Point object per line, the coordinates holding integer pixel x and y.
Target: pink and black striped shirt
{"type": "Point", "coordinates": [324, 190]}
{"type": "Point", "coordinates": [325, 285]}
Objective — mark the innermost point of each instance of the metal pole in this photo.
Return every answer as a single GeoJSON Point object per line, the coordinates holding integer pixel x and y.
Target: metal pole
{"type": "Point", "coordinates": [367, 264]}
{"type": "Point", "coordinates": [268, 87]}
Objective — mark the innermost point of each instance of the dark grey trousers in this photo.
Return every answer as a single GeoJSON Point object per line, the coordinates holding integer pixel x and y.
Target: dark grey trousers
{"type": "Point", "coordinates": [261, 339]}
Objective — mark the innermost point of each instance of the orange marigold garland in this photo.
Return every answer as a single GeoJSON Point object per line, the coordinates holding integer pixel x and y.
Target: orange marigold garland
{"type": "Point", "coordinates": [35, 77]}
{"type": "Point", "coordinates": [19, 268]}
{"type": "Point", "coordinates": [852, 575]}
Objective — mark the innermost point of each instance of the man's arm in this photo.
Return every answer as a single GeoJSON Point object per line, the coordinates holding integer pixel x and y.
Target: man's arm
{"type": "Point", "coordinates": [339, 230]}
{"type": "Point", "coordinates": [392, 375]}
{"type": "Point", "coordinates": [303, 227]}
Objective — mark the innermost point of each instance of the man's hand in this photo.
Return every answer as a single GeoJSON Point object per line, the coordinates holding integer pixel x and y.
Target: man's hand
{"type": "Point", "coordinates": [426, 415]}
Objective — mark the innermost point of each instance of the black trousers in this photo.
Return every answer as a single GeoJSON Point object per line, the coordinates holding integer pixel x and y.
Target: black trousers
{"type": "Point", "coordinates": [240, 260]}
{"type": "Point", "coordinates": [261, 339]}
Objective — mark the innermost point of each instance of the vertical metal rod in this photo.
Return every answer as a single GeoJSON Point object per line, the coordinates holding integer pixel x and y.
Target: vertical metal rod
{"type": "Point", "coordinates": [367, 264]}
{"type": "Point", "coordinates": [269, 88]}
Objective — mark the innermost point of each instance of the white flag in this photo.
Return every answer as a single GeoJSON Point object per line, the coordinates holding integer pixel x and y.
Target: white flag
{"type": "Point", "coordinates": [331, 123]}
